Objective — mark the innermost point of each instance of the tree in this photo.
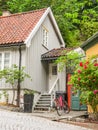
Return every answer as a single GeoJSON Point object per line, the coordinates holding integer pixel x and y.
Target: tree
{"type": "Point", "coordinates": [69, 60]}
{"type": "Point", "coordinates": [77, 19]}
{"type": "Point", "coordinates": [3, 5]}
{"type": "Point", "coordinates": [85, 79]}
{"type": "Point", "coordinates": [12, 75]}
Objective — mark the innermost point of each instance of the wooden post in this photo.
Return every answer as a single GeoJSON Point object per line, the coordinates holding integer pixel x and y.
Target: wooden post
{"type": "Point", "coordinates": [69, 86]}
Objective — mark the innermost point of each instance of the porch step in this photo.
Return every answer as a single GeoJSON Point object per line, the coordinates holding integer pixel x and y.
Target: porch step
{"type": "Point", "coordinates": [43, 103]}
{"type": "Point", "coordinates": [41, 109]}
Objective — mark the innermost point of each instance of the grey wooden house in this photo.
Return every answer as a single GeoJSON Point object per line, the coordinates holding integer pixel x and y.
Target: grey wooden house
{"type": "Point", "coordinates": [37, 35]}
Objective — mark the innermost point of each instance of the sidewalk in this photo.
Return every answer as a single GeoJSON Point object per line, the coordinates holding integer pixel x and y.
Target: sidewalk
{"type": "Point", "coordinates": [54, 116]}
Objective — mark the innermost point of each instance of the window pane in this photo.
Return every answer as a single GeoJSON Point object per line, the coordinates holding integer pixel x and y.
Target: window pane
{"type": "Point", "coordinates": [6, 60]}
{"type": "Point", "coordinates": [7, 55]}
{"type": "Point", "coordinates": [0, 60]}
{"type": "Point", "coordinates": [45, 37]}
{"type": "Point", "coordinates": [54, 70]}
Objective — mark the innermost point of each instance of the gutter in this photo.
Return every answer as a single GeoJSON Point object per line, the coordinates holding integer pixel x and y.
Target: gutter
{"type": "Point", "coordinates": [18, 86]}
{"type": "Point", "coordinates": [12, 44]}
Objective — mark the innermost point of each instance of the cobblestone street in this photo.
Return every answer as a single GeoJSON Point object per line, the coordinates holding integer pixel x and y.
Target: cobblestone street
{"type": "Point", "coordinates": [23, 121]}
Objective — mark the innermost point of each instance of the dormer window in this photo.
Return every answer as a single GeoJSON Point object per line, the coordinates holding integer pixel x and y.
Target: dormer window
{"type": "Point", "coordinates": [45, 37]}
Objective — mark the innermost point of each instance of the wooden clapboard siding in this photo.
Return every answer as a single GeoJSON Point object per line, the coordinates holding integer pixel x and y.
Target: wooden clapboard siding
{"type": "Point", "coordinates": [37, 69]}
{"type": "Point", "coordinates": [92, 50]}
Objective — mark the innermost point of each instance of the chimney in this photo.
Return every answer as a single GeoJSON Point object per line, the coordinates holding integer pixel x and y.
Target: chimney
{"type": "Point", "coordinates": [6, 13]}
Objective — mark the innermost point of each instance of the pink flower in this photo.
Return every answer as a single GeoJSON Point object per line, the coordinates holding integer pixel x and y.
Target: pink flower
{"type": "Point", "coordinates": [79, 71]}
{"type": "Point", "coordinates": [85, 66]}
{"type": "Point", "coordinates": [87, 62]}
{"type": "Point", "coordinates": [95, 91]}
{"type": "Point", "coordinates": [78, 79]}
{"type": "Point", "coordinates": [81, 64]}
{"type": "Point", "coordinates": [96, 64]}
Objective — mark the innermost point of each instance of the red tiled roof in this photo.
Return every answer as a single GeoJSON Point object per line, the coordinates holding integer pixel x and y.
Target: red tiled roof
{"type": "Point", "coordinates": [54, 53]}
{"type": "Point", "coordinates": [17, 27]}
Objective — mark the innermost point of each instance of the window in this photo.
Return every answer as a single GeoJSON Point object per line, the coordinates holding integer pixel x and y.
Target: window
{"type": "Point", "coordinates": [54, 70]}
{"type": "Point", "coordinates": [4, 60]}
{"type": "Point", "coordinates": [45, 37]}
{"type": "Point", "coordinates": [0, 61]}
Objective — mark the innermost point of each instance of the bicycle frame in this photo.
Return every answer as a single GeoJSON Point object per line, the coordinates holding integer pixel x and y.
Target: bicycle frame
{"type": "Point", "coordinates": [59, 101]}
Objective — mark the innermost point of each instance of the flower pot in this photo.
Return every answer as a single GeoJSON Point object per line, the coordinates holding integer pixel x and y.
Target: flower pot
{"type": "Point", "coordinates": [28, 102]}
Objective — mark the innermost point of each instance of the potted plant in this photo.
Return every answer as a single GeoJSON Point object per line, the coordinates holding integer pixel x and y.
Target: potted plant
{"type": "Point", "coordinates": [28, 100]}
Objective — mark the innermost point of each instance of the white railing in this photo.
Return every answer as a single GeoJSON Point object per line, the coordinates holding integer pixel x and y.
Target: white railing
{"type": "Point", "coordinates": [53, 89]}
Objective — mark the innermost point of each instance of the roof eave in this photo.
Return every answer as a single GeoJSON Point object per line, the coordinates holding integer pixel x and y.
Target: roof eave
{"type": "Point", "coordinates": [56, 28]}
{"type": "Point", "coordinates": [89, 40]}
{"type": "Point", "coordinates": [48, 58]}
{"type": "Point", "coordinates": [12, 44]}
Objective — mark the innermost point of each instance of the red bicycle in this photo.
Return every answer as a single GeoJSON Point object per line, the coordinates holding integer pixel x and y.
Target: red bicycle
{"type": "Point", "coordinates": [61, 106]}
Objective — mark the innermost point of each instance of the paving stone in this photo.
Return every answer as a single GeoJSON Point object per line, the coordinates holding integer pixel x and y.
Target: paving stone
{"type": "Point", "coordinates": [21, 121]}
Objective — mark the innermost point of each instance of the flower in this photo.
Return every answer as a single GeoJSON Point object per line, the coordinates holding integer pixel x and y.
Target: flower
{"type": "Point", "coordinates": [95, 91]}
{"type": "Point", "coordinates": [96, 64]}
{"type": "Point", "coordinates": [85, 79]}
{"type": "Point", "coordinates": [79, 71]}
{"type": "Point", "coordinates": [85, 66]}
{"type": "Point", "coordinates": [81, 64]}
{"type": "Point", "coordinates": [79, 79]}
{"type": "Point", "coordinates": [87, 62]}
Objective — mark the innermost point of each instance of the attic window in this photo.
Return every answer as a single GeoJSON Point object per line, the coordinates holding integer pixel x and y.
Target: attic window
{"type": "Point", "coordinates": [45, 37]}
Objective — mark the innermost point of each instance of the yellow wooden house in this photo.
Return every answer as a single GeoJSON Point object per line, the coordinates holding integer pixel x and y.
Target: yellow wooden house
{"type": "Point", "coordinates": [91, 48]}
{"type": "Point", "coordinates": [91, 45]}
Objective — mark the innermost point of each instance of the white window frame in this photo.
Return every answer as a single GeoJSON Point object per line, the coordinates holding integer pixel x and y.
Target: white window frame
{"type": "Point", "coordinates": [3, 59]}
{"type": "Point", "coordinates": [54, 70]}
{"type": "Point", "coordinates": [45, 36]}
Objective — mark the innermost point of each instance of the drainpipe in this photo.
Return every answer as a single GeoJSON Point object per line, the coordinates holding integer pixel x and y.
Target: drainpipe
{"type": "Point", "coordinates": [18, 86]}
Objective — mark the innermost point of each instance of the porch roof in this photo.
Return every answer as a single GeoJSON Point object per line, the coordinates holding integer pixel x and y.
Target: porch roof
{"type": "Point", "coordinates": [55, 53]}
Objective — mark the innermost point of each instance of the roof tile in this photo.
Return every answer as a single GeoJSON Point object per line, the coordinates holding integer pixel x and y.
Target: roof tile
{"type": "Point", "coordinates": [17, 27]}
{"type": "Point", "coordinates": [54, 53]}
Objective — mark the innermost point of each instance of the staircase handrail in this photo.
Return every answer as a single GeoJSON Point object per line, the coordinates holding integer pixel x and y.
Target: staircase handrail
{"type": "Point", "coordinates": [53, 86]}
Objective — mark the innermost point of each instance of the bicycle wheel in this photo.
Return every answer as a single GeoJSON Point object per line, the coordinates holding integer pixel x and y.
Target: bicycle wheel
{"type": "Point", "coordinates": [60, 110]}
{"type": "Point", "coordinates": [66, 107]}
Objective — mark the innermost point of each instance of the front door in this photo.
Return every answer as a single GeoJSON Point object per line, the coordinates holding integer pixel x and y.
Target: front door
{"type": "Point", "coordinates": [52, 74]}
{"type": "Point", "coordinates": [76, 105]}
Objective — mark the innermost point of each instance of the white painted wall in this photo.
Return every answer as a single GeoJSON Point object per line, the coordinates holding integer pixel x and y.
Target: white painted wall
{"type": "Point", "coordinates": [14, 51]}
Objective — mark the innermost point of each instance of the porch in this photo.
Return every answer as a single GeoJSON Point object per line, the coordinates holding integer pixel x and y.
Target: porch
{"type": "Point", "coordinates": [56, 79]}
